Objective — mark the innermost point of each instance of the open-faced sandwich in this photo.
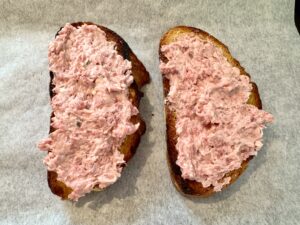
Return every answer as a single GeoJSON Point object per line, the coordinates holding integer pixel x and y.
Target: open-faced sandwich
{"type": "Point", "coordinates": [95, 124]}
{"type": "Point", "coordinates": [213, 112]}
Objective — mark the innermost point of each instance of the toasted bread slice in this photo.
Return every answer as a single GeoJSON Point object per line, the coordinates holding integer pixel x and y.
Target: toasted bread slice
{"type": "Point", "coordinates": [185, 186]}
{"type": "Point", "coordinates": [141, 77]}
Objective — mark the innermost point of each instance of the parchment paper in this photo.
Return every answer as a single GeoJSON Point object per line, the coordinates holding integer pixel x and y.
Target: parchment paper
{"type": "Point", "coordinates": [260, 34]}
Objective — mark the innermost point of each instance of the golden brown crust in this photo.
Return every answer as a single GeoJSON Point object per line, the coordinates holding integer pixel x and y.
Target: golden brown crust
{"type": "Point", "coordinates": [141, 77]}
{"type": "Point", "coordinates": [185, 186]}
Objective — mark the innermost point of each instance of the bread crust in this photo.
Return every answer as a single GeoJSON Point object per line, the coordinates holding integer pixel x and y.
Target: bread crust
{"type": "Point", "coordinates": [186, 186]}
{"type": "Point", "coordinates": [141, 77]}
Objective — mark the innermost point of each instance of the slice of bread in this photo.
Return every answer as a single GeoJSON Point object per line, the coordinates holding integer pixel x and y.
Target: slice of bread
{"type": "Point", "coordinates": [185, 186]}
{"type": "Point", "coordinates": [141, 77]}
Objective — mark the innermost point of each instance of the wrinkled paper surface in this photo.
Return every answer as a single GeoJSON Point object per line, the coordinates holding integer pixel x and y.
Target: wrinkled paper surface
{"type": "Point", "coordinates": [260, 34]}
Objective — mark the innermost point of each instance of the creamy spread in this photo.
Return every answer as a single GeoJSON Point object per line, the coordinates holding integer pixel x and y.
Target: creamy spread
{"type": "Point", "coordinates": [217, 130]}
{"type": "Point", "coordinates": [91, 108]}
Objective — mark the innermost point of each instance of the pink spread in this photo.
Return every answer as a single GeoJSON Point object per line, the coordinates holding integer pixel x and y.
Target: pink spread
{"type": "Point", "coordinates": [217, 130]}
{"type": "Point", "coordinates": [91, 107]}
